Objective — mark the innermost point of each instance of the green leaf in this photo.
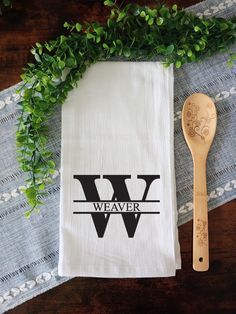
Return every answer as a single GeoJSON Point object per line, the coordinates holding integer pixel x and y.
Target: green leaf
{"type": "Point", "coordinates": [223, 26]}
{"type": "Point", "coordinates": [37, 57]}
{"type": "Point", "coordinates": [105, 46]}
{"type": "Point", "coordinates": [189, 53]}
{"type": "Point", "coordinates": [178, 64]}
{"type": "Point", "coordinates": [28, 214]}
{"type": "Point", "coordinates": [170, 49]}
{"type": "Point", "coordinates": [109, 3]}
{"type": "Point", "coordinates": [66, 25]}
{"type": "Point", "coordinates": [159, 21]}
{"type": "Point", "coordinates": [127, 52]}
{"type": "Point", "coordinates": [78, 27]}
{"type": "Point", "coordinates": [90, 36]}
{"type": "Point", "coordinates": [120, 16]}
{"type": "Point", "coordinates": [164, 12]}
{"type": "Point", "coordinates": [71, 62]}
{"type": "Point", "coordinates": [61, 64]}
{"type": "Point", "coordinates": [51, 164]}
{"type": "Point", "coordinates": [42, 186]}
{"type": "Point", "coordinates": [142, 13]}
{"type": "Point", "coordinates": [30, 192]}
{"type": "Point", "coordinates": [150, 21]}
{"type": "Point", "coordinates": [174, 7]}
{"type": "Point", "coordinates": [98, 39]}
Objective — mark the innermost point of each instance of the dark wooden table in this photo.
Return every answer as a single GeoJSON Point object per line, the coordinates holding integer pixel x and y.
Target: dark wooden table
{"type": "Point", "coordinates": [189, 292]}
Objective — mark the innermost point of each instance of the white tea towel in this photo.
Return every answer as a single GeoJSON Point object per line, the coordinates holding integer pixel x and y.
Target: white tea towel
{"type": "Point", "coordinates": [118, 202]}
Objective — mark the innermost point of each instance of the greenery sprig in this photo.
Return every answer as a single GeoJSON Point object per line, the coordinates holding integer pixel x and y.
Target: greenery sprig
{"type": "Point", "coordinates": [132, 33]}
{"type": "Point", "coordinates": [232, 59]}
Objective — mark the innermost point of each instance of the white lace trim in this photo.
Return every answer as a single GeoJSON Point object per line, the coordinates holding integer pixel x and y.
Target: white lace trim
{"type": "Point", "coordinates": [222, 95]}
{"type": "Point", "coordinates": [217, 8]}
{"type": "Point", "coordinates": [5, 197]}
{"type": "Point", "coordinates": [28, 285]}
{"type": "Point", "coordinates": [218, 192]}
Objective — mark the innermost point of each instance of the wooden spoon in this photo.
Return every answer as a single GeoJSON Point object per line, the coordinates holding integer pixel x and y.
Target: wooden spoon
{"type": "Point", "coordinates": [199, 125]}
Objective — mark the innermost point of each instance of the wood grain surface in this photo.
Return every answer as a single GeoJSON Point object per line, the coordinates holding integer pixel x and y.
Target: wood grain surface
{"type": "Point", "coordinates": [189, 292]}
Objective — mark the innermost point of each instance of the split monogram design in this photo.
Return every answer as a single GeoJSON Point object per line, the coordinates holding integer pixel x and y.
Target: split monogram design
{"type": "Point", "coordinates": [120, 204]}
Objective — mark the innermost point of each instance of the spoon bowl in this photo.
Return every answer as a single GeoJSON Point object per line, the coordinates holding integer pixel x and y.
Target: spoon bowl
{"type": "Point", "coordinates": [199, 122]}
{"type": "Point", "coordinates": [199, 119]}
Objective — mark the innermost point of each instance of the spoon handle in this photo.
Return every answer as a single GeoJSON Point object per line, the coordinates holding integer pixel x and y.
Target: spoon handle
{"type": "Point", "coordinates": [200, 217]}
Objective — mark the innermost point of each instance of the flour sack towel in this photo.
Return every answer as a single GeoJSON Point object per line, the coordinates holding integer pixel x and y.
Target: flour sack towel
{"type": "Point", "coordinates": [118, 201]}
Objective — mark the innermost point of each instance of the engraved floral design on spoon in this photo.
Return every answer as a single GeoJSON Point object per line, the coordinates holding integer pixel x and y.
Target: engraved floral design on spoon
{"type": "Point", "coordinates": [198, 125]}
{"type": "Point", "coordinates": [201, 232]}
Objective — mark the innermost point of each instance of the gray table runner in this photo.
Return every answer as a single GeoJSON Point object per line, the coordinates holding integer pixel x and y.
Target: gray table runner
{"type": "Point", "coordinates": [29, 248]}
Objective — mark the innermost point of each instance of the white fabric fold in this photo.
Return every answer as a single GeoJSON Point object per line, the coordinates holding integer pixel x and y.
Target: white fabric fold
{"type": "Point", "coordinates": [118, 200]}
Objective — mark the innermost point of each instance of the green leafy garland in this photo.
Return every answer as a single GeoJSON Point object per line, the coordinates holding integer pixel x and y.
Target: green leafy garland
{"type": "Point", "coordinates": [131, 33]}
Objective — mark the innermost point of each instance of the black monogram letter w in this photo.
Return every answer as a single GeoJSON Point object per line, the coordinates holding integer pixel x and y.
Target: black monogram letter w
{"type": "Point", "coordinates": [120, 195]}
